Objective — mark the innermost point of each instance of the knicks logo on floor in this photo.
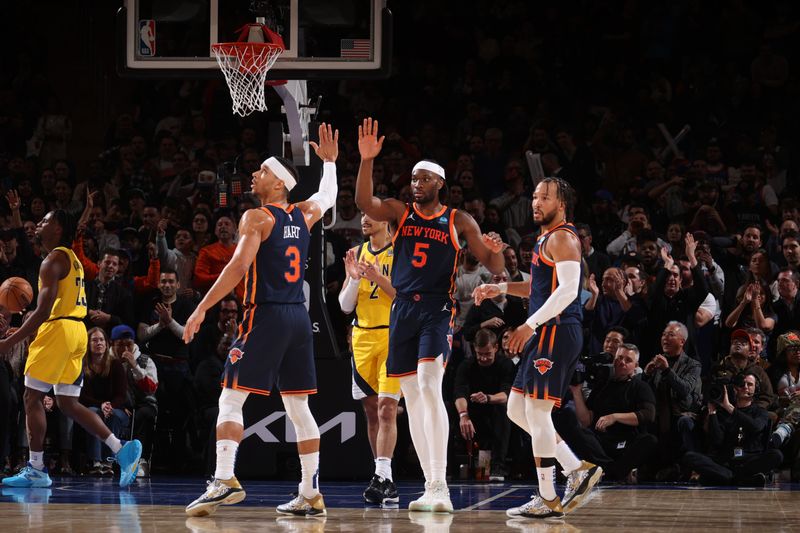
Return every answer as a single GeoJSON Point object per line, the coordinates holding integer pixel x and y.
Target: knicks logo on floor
{"type": "Point", "coordinates": [543, 365]}
{"type": "Point", "coordinates": [235, 354]}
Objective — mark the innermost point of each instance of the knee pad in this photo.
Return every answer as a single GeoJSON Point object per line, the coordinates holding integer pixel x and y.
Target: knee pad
{"type": "Point", "coordinates": [305, 427]}
{"type": "Point", "coordinates": [230, 406]}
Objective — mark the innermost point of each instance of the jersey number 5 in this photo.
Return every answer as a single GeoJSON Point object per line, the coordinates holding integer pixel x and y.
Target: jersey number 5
{"type": "Point", "coordinates": [293, 274]}
{"type": "Point", "coordinates": [420, 257]}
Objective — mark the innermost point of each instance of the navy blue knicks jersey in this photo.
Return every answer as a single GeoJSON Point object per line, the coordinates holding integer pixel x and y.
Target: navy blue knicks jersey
{"type": "Point", "coordinates": [544, 281]}
{"type": "Point", "coordinates": [425, 253]}
{"type": "Point", "coordinates": [276, 275]}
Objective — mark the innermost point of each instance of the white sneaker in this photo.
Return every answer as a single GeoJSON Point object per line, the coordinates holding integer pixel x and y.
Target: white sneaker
{"type": "Point", "coordinates": [423, 503]}
{"type": "Point", "coordinates": [219, 492]}
{"type": "Point", "coordinates": [440, 498]}
{"type": "Point", "coordinates": [302, 506]}
{"type": "Point", "coordinates": [580, 483]}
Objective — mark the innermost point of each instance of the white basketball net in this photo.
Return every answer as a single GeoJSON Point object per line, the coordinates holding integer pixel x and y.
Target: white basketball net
{"type": "Point", "coordinates": [245, 66]}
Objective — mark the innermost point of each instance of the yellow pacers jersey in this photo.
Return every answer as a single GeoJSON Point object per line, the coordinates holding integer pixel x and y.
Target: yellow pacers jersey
{"type": "Point", "coordinates": [71, 298]}
{"type": "Point", "coordinates": [373, 305]}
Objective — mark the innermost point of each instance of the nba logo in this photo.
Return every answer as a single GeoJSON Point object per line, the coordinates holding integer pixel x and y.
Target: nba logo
{"type": "Point", "coordinates": [147, 38]}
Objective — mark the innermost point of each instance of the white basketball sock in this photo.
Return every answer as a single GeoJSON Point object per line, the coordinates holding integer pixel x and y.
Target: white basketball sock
{"type": "Point", "coordinates": [547, 488]}
{"type": "Point", "coordinates": [113, 443]}
{"type": "Point", "coordinates": [568, 460]}
{"type": "Point", "coordinates": [383, 468]}
{"type": "Point", "coordinates": [309, 482]}
{"type": "Point", "coordinates": [37, 460]}
{"type": "Point", "coordinates": [226, 458]}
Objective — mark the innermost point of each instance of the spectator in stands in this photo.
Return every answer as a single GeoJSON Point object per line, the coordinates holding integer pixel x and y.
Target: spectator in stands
{"type": "Point", "coordinates": [514, 205]}
{"type": "Point", "coordinates": [753, 309]}
{"type": "Point", "coordinates": [105, 392]}
{"type": "Point", "coordinates": [785, 378]}
{"type": "Point", "coordinates": [787, 306]}
{"type": "Point", "coordinates": [627, 243]}
{"type": "Point", "coordinates": [611, 308]}
{"type": "Point", "coordinates": [142, 378]}
{"type": "Point", "coordinates": [597, 261]}
{"type": "Point", "coordinates": [675, 380]}
{"type": "Point", "coordinates": [469, 275]}
{"type": "Point", "coordinates": [736, 429]}
{"type": "Point", "coordinates": [616, 415]}
{"type": "Point", "coordinates": [648, 249]}
{"type": "Point", "coordinates": [790, 246]}
{"type": "Point", "coordinates": [670, 302]}
{"type": "Point", "coordinates": [494, 314]}
{"type": "Point", "coordinates": [738, 361]}
{"type": "Point", "coordinates": [201, 222]}
{"type": "Point", "coordinates": [736, 262]}
{"type": "Point", "coordinates": [348, 217]}
{"type": "Point", "coordinates": [215, 333]}
{"type": "Point", "coordinates": [213, 257]}
{"type": "Point", "coordinates": [482, 385]}
{"type": "Point", "coordinates": [181, 259]}
{"type": "Point", "coordinates": [109, 303]}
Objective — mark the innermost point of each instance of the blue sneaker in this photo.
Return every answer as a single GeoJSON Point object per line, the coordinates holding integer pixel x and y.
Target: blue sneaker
{"type": "Point", "coordinates": [29, 477]}
{"type": "Point", "coordinates": [128, 458]}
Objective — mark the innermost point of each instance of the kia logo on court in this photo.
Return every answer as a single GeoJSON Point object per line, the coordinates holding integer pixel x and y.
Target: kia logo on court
{"type": "Point", "coordinates": [346, 421]}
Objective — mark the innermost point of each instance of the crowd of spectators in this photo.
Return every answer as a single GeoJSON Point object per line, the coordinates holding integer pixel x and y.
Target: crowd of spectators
{"type": "Point", "coordinates": [692, 246]}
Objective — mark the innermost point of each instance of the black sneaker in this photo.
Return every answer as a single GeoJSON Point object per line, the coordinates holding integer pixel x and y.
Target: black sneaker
{"type": "Point", "coordinates": [390, 492]}
{"type": "Point", "coordinates": [374, 491]}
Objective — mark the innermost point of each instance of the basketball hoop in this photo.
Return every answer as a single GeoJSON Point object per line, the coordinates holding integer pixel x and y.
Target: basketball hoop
{"type": "Point", "coordinates": [245, 64]}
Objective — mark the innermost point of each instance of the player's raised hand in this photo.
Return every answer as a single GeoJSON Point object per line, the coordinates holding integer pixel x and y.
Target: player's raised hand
{"type": "Point", "coordinates": [519, 338]}
{"type": "Point", "coordinates": [351, 264]}
{"type": "Point", "coordinates": [193, 325]}
{"type": "Point", "coordinates": [328, 147]}
{"type": "Point", "coordinates": [484, 291]}
{"type": "Point", "coordinates": [369, 145]}
{"type": "Point", "coordinates": [493, 242]}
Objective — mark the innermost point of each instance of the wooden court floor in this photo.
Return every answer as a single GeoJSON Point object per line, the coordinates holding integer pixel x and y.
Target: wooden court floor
{"type": "Point", "coordinates": [157, 505]}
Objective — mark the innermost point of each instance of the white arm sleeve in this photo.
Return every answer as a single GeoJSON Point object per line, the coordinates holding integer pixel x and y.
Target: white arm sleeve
{"type": "Point", "coordinates": [328, 188]}
{"type": "Point", "coordinates": [569, 280]}
{"type": "Point", "coordinates": [349, 296]}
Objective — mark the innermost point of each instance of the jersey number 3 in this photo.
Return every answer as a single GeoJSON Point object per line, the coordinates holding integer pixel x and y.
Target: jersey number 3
{"type": "Point", "coordinates": [293, 274]}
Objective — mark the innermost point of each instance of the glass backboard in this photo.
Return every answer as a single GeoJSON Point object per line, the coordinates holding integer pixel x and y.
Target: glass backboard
{"type": "Point", "coordinates": [324, 38]}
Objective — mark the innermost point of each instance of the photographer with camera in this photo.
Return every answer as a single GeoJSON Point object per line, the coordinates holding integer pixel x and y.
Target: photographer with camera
{"type": "Point", "coordinates": [735, 428]}
{"type": "Point", "coordinates": [785, 375]}
{"type": "Point", "coordinates": [615, 415]}
{"type": "Point", "coordinates": [737, 361]}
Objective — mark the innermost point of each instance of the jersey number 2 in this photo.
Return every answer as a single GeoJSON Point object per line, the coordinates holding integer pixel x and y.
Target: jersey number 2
{"type": "Point", "coordinates": [420, 257]}
{"type": "Point", "coordinates": [293, 274]}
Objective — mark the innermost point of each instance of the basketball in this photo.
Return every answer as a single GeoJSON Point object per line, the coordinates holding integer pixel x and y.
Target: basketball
{"type": "Point", "coordinates": [16, 294]}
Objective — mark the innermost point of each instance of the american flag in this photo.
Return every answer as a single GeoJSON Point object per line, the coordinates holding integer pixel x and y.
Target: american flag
{"type": "Point", "coordinates": [355, 48]}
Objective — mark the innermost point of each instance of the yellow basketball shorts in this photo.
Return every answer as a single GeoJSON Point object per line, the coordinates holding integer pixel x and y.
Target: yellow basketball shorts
{"type": "Point", "coordinates": [56, 354]}
{"type": "Point", "coordinates": [370, 351]}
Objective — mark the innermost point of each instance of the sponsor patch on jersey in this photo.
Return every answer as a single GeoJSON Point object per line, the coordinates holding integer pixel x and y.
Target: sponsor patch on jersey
{"type": "Point", "coordinates": [234, 355]}
{"type": "Point", "coordinates": [543, 365]}
{"type": "Point", "coordinates": [443, 220]}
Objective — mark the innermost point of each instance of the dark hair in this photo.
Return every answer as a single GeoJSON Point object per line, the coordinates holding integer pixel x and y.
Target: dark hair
{"type": "Point", "coordinates": [113, 251]}
{"type": "Point", "coordinates": [168, 270]}
{"type": "Point", "coordinates": [645, 236]}
{"type": "Point", "coordinates": [67, 227]}
{"type": "Point", "coordinates": [790, 235]}
{"type": "Point", "coordinates": [564, 192]}
{"type": "Point", "coordinates": [585, 227]}
{"type": "Point", "coordinates": [753, 225]}
{"type": "Point", "coordinates": [484, 337]}
{"type": "Point", "coordinates": [621, 330]}
{"type": "Point", "coordinates": [793, 272]}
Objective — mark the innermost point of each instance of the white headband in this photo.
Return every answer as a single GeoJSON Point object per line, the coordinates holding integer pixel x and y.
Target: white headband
{"type": "Point", "coordinates": [281, 172]}
{"type": "Point", "coordinates": [427, 165]}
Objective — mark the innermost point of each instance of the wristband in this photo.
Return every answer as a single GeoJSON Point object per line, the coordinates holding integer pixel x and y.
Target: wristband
{"type": "Point", "coordinates": [503, 287]}
{"type": "Point", "coordinates": [462, 414]}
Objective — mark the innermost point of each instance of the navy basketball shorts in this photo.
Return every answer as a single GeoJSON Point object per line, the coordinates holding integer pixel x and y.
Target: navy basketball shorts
{"type": "Point", "coordinates": [419, 330]}
{"type": "Point", "coordinates": [275, 346]}
{"type": "Point", "coordinates": [548, 362]}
